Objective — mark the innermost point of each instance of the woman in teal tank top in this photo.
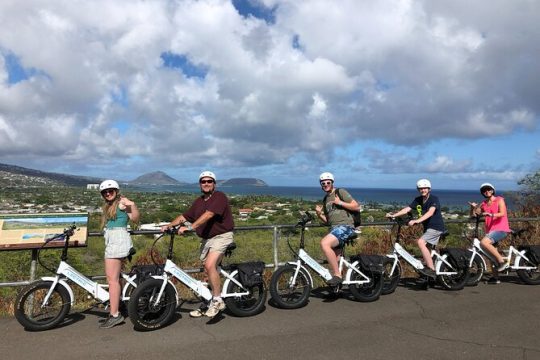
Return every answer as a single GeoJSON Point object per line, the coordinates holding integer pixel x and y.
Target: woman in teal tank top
{"type": "Point", "coordinates": [117, 212]}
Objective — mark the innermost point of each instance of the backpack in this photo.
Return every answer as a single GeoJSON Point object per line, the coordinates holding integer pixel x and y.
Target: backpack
{"type": "Point", "coordinates": [355, 214]}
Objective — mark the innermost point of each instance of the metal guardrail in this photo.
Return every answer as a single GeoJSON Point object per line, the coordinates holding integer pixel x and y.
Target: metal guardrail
{"type": "Point", "coordinates": [276, 229]}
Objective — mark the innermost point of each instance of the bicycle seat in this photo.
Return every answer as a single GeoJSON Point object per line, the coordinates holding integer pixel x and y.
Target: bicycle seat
{"type": "Point", "coordinates": [230, 248]}
{"type": "Point", "coordinates": [132, 252]}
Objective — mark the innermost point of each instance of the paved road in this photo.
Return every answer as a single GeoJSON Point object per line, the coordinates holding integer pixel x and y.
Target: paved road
{"type": "Point", "coordinates": [483, 322]}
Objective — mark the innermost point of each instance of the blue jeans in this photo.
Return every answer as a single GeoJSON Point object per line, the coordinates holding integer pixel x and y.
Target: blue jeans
{"type": "Point", "coordinates": [496, 236]}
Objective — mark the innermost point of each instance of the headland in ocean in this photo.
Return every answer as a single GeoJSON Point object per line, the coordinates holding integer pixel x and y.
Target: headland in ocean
{"type": "Point", "coordinates": [397, 197]}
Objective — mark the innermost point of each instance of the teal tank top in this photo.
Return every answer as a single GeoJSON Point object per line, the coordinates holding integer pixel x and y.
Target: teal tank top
{"type": "Point", "coordinates": [120, 221]}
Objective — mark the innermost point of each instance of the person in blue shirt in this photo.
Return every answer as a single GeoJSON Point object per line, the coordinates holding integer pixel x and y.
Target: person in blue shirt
{"type": "Point", "coordinates": [428, 209]}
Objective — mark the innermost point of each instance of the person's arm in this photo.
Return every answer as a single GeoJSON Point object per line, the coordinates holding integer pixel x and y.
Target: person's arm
{"type": "Point", "coordinates": [403, 211]}
{"type": "Point", "coordinates": [502, 209]}
{"type": "Point", "coordinates": [320, 214]}
{"type": "Point", "coordinates": [131, 209]}
{"type": "Point", "coordinates": [203, 219]}
{"type": "Point", "coordinates": [424, 217]}
{"type": "Point", "coordinates": [352, 205]}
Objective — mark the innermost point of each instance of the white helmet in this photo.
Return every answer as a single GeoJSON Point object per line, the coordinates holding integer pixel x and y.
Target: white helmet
{"type": "Point", "coordinates": [207, 174]}
{"type": "Point", "coordinates": [108, 184]}
{"type": "Point", "coordinates": [423, 183]}
{"type": "Point", "coordinates": [486, 185]}
{"type": "Point", "coordinates": [326, 176]}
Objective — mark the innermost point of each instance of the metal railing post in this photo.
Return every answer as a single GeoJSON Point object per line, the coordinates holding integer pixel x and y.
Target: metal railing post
{"type": "Point", "coordinates": [275, 247]}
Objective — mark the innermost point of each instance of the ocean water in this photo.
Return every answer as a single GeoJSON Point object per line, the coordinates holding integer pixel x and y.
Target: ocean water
{"type": "Point", "coordinates": [394, 197]}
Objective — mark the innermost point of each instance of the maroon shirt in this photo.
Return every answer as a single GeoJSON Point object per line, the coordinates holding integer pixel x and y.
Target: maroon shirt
{"type": "Point", "coordinates": [220, 223]}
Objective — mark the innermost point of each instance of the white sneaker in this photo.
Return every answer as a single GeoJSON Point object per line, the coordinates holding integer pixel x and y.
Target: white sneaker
{"type": "Point", "coordinates": [215, 307]}
{"type": "Point", "coordinates": [198, 312]}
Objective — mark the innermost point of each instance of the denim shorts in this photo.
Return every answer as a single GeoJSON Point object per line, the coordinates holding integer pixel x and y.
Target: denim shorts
{"type": "Point", "coordinates": [217, 243]}
{"type": "Point", "coordinates": [343, 233]}
{"type": "Point", "coordinates": [117, 243]}
{"type": "Point", "coordinates": [496, 236]}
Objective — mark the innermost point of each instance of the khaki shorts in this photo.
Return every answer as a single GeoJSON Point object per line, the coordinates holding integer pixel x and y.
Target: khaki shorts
{"type": "Point", "coordinates": [432, 236]}
{"type": "Point", "coordinates": [117, 243]}
{"type": "Point", "coordinates": [216, 244]}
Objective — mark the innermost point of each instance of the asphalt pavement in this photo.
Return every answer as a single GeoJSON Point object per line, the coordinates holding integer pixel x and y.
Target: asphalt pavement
{"type": "Point", "coordinates": [483, 322]}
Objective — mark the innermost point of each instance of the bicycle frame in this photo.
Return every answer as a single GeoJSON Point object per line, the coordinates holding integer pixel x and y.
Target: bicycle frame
{"type": "Point", "coordinates": [67, 272]}
{"type": "Point", "coordinates": [400, 251]}
{"type": "Point", "coordinates": [305, 258]}
{"type": "Point", "coordinates": [198, 287]}
{"type": "Point", "coordinates": [305, 261]}
{"type": "Point", "coordinates": [477, 249]}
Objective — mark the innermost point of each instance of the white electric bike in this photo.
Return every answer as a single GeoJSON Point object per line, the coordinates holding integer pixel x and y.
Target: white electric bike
{"type": "Point", "coordinates": [291, 283]}
{"type": "Point", "coordinates": [45, 303]}
{"type": "Point", "coordinates": [153, 303]}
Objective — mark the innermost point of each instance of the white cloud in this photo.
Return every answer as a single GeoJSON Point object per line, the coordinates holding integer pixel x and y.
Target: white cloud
{"type": "Point", "coordinates": [403, 72]}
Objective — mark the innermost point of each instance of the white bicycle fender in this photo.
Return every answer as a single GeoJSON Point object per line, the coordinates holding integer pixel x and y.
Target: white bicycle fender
{"type": "Point", "coordinates": [303, 268]}
{"type": "Point", "coordinates": [64, 284]}
{"type": "Point", "coordinates": [170, 282]}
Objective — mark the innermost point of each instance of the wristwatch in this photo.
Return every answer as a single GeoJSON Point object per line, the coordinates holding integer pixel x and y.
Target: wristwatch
{"type": "Point", "coordinates": [189, 227]}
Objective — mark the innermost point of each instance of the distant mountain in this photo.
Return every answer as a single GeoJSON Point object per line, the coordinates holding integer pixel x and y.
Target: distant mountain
{"type": "Point", "coordinates": [243, 182]}
{"type": "Point", "coordinates": [155, 178]}
{"type": "Point", "coordinates": [11, 174]}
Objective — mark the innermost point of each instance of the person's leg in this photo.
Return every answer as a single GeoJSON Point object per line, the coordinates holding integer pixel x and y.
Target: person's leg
{"type": "Point", "coordinates": [487, 244]}
{"type": "Point", "coordinates": [328, 243]}
{"type": "Point", "coordinates": [112, 271]}
{"type": "Point", "coordinates": [426, 254]}
{"type": "Point", "coordinates": [210, 267]}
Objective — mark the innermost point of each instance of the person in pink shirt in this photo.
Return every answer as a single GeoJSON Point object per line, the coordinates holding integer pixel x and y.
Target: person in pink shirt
{"type": "Point", "coordinates": [496, 229]}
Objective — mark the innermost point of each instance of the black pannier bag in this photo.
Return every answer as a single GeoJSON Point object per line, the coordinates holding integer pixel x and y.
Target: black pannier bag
{"type": "Point", "coordinates": [373, 263]}
{"type": "Point", "coordinates": [251, 273]}
{"type": "Point", "coordinates": [144, 272]}
{"type": "Point", "coordinates": [532, 252]}
{"type": "Point", "coordinates": [462, 257]}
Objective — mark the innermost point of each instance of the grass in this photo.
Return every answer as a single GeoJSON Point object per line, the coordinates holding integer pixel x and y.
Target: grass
{"type": "Point", "coordinates": [251, 245]}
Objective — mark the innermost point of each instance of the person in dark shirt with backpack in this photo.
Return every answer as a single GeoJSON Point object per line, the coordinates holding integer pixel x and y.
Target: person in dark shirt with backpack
{"type": "Point", "coordinates": [336, 212]}
{"type": "Point", "coordinates": [428, 209]}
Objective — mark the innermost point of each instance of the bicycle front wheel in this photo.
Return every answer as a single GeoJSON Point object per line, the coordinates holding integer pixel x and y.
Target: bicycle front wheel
{"type": "Point", "coordinates": [146, 311]}
{"type": "Point", "coordinates": [390, 278]}
{"type": "Point", "coordinates": [455, 281]}
{"type": "Point", "coordinates": [476, 271]}
{"type": "Point", "coordinates": [245, 305]}
{"type": "Point", "coordinates": [34, 314]}
{"type": "Point", "coordinates": [530, 277]}
{"type": "Point", "coordinates": [285, 292]}
{"type": "Point", "coordinates": [369, 291]}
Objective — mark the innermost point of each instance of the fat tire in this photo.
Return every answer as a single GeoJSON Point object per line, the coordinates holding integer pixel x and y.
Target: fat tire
{"type": "Point", "coordinates": [476, 271]}
{"type": "Point", "coordinates": [390, 281]}
{"type": "Point", "coordinates": [529, 277]}
{"type": "Point", "coordinates": [28, 320]}
{"type": "Point", "coordinates": [248, 305]}
{"type": "Point", "coordinates": [145, 316]}
{"type": "Point", "coordinates": [292, 297]}
{"type": "Point", "coordinates": [454, 282]}
{"type": "Point", "coordinates": [370, 291]}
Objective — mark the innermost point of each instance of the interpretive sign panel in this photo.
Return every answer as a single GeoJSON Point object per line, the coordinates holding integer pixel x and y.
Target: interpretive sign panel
{"type": "Point", "coordinates": [30, 231]}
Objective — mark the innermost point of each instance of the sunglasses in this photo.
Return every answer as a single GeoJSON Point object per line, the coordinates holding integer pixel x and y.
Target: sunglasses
{"type": "Point", "coordinates": [324, 183]}
{"type": "Point", "coordinates": [486, 189]}
{"type": "Point", "coordinates": [107, 192]}
{"type": "Point", "coordinates": [206, 182]}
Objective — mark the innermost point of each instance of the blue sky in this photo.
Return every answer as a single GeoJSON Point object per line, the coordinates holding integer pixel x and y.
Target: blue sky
{"type": "Point", "coordinates": [379, 93]}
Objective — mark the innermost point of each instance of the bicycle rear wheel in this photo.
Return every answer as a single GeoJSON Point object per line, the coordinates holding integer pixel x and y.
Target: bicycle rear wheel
{"type": "Point", "coordinates": [286, 293]}
{"type": "Point", "coordinates": [147, 314]}
{"type": "Point", "coordinates": [33, 314]}
{"type": "Point", "coordinates": [245, 305]}
{"type": "Point", "coordinates": [455, 281]}
{"type": "Point", "coordinates": [530, 277]}
{"type": "Point", "coordinates": [369, 291]}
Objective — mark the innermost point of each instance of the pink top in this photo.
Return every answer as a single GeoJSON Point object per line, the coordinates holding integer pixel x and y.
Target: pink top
{"type": "Point", "coordinates": [495, 223]}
